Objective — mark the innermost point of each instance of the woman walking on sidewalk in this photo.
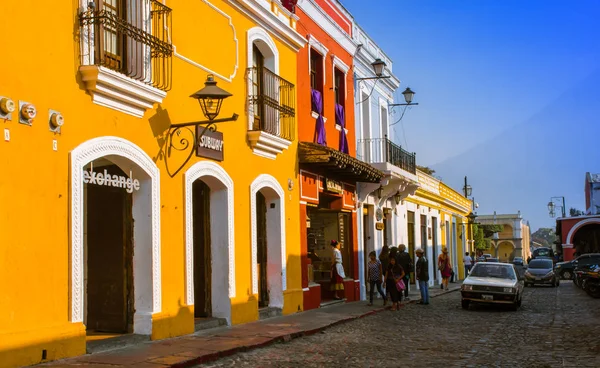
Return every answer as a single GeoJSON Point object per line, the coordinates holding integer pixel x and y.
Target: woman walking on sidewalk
{"type": "Point", "coordinates": [444, 267]}
{"type": "Point", "coordinates": [393, 276]}
{"type": "Point", "coordinates": [422, 275]}
{"type": "Point", "coordinates": [337, 270]}
{"type": "Point", "coordinates": [375, 277]}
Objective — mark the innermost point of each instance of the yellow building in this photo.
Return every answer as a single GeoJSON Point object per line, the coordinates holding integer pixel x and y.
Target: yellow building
{"type": "Point", "coordinates": [111, 222]}
{"type": "Point", "coordinates": [436, 217]}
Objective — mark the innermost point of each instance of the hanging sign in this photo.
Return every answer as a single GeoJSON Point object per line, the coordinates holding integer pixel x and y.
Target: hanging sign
{"type": "Point", "coordinates": [210, 145]}
{"type": "Point", "coordinates": [117, 181]}
{"type": "Point", "coordinates": [380, 226]}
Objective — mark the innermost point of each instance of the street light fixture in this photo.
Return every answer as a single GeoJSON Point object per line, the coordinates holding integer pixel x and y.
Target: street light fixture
{"type": "Point", "coordinates": [397, 198]}
{"type": "Point", "coordinates": [552, 206]}
{"type": "Point", "coordinates": [380, 192]}
{"type": "Point", "coordinates": [378, 67]}
{"type": "Point", "coordinates": [467, 189]}
{"type": "Point", "coordinates": [210, 99]}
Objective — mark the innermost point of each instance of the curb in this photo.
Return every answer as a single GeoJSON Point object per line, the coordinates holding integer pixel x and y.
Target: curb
{"type": "Point", "coordinates": [287, 338]}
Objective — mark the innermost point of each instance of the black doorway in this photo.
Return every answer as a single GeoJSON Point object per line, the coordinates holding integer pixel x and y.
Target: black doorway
{"type": "Point", "coordinates": [202, 254]}
{"type": "Point", "coordinates": [261, 250]}
{"type": "Point", "coordinates": [110, 299]}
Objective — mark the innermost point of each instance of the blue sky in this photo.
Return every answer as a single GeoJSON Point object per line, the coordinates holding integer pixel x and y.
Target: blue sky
{"type": "Point", "coordinates": [508, 94]}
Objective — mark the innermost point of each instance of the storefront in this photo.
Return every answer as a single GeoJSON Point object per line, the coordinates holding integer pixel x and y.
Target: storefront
{"type": "Point", "coordinates": [328, 212]}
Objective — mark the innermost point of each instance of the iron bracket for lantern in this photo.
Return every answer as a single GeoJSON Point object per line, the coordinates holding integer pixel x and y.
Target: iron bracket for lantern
{"type": "Point", "coordinates": [210, 99]}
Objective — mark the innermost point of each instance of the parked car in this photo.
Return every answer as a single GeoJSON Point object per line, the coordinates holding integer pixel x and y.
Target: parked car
{"type": "Point", "coordinates": [541, 271]}
{"type": "Point", "coordinates": [492, 260]}
{"type": "Point", "coordinates": [518, 261]}
{"type": "Point", "coordinates": [565, 269]}
{"type": "Point", "coordinates": [545, 252]}
{"type": "Point", "coordinates": [493, 283]}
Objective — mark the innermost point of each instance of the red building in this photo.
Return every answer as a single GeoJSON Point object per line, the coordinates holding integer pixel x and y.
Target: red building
{"type": "Point", "coordinates": [581, 234]}
{"type": "Point", "coordinates": [327, 165]}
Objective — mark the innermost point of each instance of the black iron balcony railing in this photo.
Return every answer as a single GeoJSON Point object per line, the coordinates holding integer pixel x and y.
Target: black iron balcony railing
{"type": "Point", "coordinates": [129, 37]}
{"type": "Point", "coordinates": [272, 103]}
{"type": "Point", "coordinates": [380, 150]}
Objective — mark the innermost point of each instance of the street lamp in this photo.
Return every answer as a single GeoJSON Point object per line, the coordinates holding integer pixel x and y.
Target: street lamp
{"type": "Point", "coordinates": [471, 221]}
{"type": "Point", "coordinates": [467, 189]}
{"type": "Point", "coordinates": [552, 206]}
{"type": "Point", "coordinates": [210, 99]}
{"type": "Point", "coordinates": [380, 192]}
{"type": "Point", "coordinates": [397, 198]}
{"type": "Point", "coordinates": [378, 68]}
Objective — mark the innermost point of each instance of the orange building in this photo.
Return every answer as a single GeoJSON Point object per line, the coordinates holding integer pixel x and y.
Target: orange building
{"type": "Point", "coordinates": [328, 168]}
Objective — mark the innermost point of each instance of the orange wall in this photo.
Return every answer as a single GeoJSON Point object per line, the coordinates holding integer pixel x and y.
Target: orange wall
{"type": "Point", "coordinates": [306, 123]}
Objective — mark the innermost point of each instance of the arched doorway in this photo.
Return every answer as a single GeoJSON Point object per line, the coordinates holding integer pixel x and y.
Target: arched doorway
{"type": "Point", "coordinates": [587, 239]}
{"type": "Point", "coordinates": [505, 251]}
{"type": "Point", "coordinates": [115, 266]}
{"type": "Point", "coordinates": [268, 241]}
{"type": "Point", "coordinates": [210, 273]}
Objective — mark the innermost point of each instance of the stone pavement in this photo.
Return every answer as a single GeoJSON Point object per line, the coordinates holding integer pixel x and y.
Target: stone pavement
{"type": "Point", "coordinates": [210, 345]}
{"type": "Point", "coordinates": [555, 327]}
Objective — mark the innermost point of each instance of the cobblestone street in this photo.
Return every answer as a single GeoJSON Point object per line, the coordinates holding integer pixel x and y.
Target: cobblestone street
{"type": "Point", "coordinates": [556, 327]}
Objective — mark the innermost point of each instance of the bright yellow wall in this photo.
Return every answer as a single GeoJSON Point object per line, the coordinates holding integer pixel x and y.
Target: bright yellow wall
{"type": "Point", "coordinates": [40, 65]}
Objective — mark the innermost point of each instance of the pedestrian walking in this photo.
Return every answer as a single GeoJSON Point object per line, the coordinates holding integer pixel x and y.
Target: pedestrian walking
{"type": "Point", "coordinates": [394, 282]}
{"type": "Point", "coordinates": [468, 262]}
{"type": "Point", "coordinates": [444, 267]}
{"type": "Point", "coordinates": [337, 270]}
{"type": "Point", "coordinates": [384, 258]}
{"type": "Point", "coordinates": [422, 275]}
{"type": "Point", "coordinates": [406, 263]}
{"type": "Point", "coordinates": [375, 278]}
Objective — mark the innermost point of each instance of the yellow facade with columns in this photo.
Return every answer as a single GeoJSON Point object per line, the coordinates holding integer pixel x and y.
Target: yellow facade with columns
{"type": "Point", "coordinates": [451, 210]}
{"type": "Point", "coordinates": [116, 94]}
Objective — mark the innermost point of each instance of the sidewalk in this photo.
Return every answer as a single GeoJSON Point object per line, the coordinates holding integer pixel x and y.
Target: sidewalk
{"type": "Point", "coordinates": [208, 345]}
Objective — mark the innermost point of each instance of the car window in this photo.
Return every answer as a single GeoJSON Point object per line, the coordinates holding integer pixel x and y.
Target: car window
{"type": "Point", "coordinates": [492, 270]}
{"type": "Point", "coordinates": [540, 263]}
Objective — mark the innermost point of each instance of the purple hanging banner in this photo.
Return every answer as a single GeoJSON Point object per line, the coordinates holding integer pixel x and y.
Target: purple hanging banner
{"type": "Point", "coordinates": [317, 106]}
{"type": "Point", "coordinates": [341, 121]}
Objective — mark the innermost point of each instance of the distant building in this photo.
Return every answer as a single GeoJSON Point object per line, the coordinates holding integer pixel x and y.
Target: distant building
{"type": "Point", "coordinates": [513, 241]}
{"type": "Point", "coordinates": [581, 234]}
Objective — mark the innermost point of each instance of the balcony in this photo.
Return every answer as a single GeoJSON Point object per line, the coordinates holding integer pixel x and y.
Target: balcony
{"type": "Point", "coordinates": [126, 54]}
{"type": "Point", "coordinates": [382, 150]}
{"type": "Point", "coordinates": [398, 165]}
{"type": "Point", "coordinates": [272, 112]}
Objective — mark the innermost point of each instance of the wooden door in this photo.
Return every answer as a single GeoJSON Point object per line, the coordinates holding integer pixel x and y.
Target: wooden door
{"type": "Point", "coordinates": [202, 254]}
{"type": "Point", "coordinates": [109, 257]}
{"type": "Point", "coordinates": [261, 242]}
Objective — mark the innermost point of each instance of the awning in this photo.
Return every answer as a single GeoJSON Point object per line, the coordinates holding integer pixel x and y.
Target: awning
{"type": "Point", "coordinates": [336, 164]}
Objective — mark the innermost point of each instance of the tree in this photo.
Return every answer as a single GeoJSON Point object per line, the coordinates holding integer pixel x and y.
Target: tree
{"type": "Point", "coordinates": [426, 170]}
{"type": "Point", "coordinates": [574, 212]}
{"type": "Point", "coordinates": [483, 233]}
{"type": "Point", "coordinates": [544, 236]}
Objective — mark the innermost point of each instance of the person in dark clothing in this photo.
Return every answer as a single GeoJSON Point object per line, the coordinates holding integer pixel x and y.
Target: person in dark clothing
{"type": "Point", "coordinates": [406, 263]}
{"type": "Point", "coordinates": [394, 274]}
{"type": "Point", "coordinates": [384, 258]}
{"type": "Point", "coordinates": [422, 276]}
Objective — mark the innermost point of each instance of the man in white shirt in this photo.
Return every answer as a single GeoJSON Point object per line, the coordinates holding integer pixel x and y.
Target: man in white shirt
{"type": "Point", "coordinates": [468, 262]}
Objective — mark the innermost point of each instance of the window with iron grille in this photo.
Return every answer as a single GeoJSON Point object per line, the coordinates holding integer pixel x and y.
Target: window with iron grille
{"type": "Point", "coordinates": [130, 37]}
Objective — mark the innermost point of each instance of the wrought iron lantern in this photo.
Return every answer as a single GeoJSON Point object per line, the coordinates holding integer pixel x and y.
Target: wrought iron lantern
{"type": "Point", "coordinates": [211, 97]}
{"type": "Point", "coordinates": [378, 66]}
{"type": "Point", "coordinates": [380, 192]}
{"type": "Point", "coordinates": [397, 198]}
{"type": "Point", "coordinates": [408, 95]}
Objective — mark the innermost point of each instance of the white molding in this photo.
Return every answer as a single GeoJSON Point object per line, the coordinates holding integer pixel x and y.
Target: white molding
{"type": "Point", "coordinates": [119, 149]}
{"type": "Point", "coordinates": [314, 43]}
{"type": "Point", "coordinates": [315, 115]}
{"type": "Point", "coordinates": [272, 22]}
{"type": "Point", "coordinates": [338, 63]}
{"type": "Point", "coordinates": [577, 226]}
{"type": "Point", "coordinates": [267, 145]}
{"type": "Point", "coordinates": [237, 56]}
{"type": "Point", "coordinates": [202, 170]}
{"type": "Point", "coordinates": [117, 91]}
{"type": "Point", "coordinates": [267, 181]}
{"type": "Point", "coordinates": [320, 17]}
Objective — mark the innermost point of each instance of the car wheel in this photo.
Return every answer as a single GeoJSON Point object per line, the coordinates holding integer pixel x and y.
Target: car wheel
{"type": "Point", "coordinates": [465, 304]}
{"type": "Point", "coordinates": [519, 302]}
{"type": "Point", "coordinates": [554, 283]}
{"type": "Point", "coordinates": [567, 275]}
{"type": "Point", "coordinates": [514, 306]}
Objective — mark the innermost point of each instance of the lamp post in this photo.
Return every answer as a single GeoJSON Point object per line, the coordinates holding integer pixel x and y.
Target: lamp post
{"type": "Point", "coordinates": [210, 99]}
{"type": "Point", "coordinates": [471, 221]}
{"type": "Point", "coordinates": [552, 206]}
{"type": "Point", "coordinates": [467, 189]}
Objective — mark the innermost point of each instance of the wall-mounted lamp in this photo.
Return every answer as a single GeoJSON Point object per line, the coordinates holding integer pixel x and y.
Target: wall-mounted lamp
{"type": "Point", "coordinates": [408, 94]}
{"type": "Point", "coordinates": [210, 99]}
{"type": "Point", "coordinates": [380, 192]}
{"type": "Point", "coordinates": [378, 67]}
{"type": "Point", "coordinates": [397, 198]}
